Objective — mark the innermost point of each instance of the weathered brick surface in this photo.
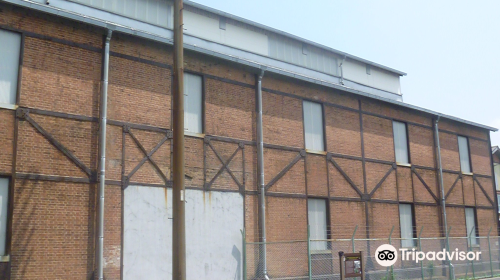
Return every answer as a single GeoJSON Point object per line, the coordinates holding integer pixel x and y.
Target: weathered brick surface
{"type": "Point", "coordinates": [456, 194]}
{"type": "Point", "coordinates": [60, 78]}
{"type": "Point", "coordinates": [344, 217]}
{"type": "Point", "coordinates": [282, 120]}
{"type": "Point", "coordinates": [428, 217]}
{"type": "Point", "coordinates": [456, 220]}
{"type": "Point", "coordinates": [468, 189]}
{"type": "Point", "coordinates": [6, 140]}
{"type": "Point", "coordinates": [342, 131]}
{"type": "Point", "coordinates": [378, 138]}
{"type": "Point", "coordinates": [316, 175]}
{"type": "Point", "coordinates": [461, 129]}
{"type": "Point", "coordinates": [229, 110]}
{"type": "Point", "coordinates": [395, 112]}
{"type": "Point", "coordinates": [53, 226]}
{"type": "Point", "coordinates": [339, 186]}
{"type": "Point", "coordinates": [421, 146]}
{"type": "Point", "coordinates": [450, 158]}
{"type": "Point", "coordinates": [293, 181]}
{"type": "Point", "coordinates": [309, 91]}
{"type": "Point", "coordinates": [405, 184]}
{"type": "Point", "coordinates": [144, 91]}
{"type": "Point", "coordinates": [480, 157]}
{"type": "Point", "coordinates": [289, 226]}
{"type": "Point", "coordinates": [422, 194]}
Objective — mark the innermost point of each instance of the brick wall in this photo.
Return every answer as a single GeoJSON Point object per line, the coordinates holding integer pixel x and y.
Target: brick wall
{"type": "Point", "coordinates": [54, 201]}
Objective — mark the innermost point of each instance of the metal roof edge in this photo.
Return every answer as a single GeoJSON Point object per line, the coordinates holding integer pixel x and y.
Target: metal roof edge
{"type": "Point", "coordinates": [286, 34]}
{"type": "Point", "coordinates": [143, 34]}
{"type": "Point", "coordinates": [495, 149]}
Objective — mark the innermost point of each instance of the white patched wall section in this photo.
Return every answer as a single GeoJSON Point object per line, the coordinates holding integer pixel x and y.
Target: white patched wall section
{"type": "Point", "coordinates": [213, 237]}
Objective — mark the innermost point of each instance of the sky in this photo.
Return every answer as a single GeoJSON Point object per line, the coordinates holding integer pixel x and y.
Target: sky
{"type": "Point", "coordinates": [450, 49]}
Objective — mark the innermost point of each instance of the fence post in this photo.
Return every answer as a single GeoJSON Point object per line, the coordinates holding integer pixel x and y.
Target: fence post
{"type": "Point", "coordinates": [244, 249]}
{"type": "Point", "coordinates": [420, 249]}
{"type": "Point", "coordinates": [387, 269]}
{"type": "Point", "coordinates": [309, 252]}
{"type": "Point", "coordinates": [451, 269]}
{"type": "Point", "coordinates": [489, 251]}
{"type": "Point", "coordinates": [470, 250]}
{"type": "Point", "coordinates": [352, 239]}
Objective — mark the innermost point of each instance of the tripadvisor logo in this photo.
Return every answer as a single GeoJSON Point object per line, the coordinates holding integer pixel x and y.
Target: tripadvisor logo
{"type": "Point", "coordinates": [387, 255]}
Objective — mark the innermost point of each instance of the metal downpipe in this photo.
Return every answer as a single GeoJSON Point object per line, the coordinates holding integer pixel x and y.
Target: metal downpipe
{"type": "Point", "coordinates": [441, 187]}
{"type": "Point", "coordinates": [260, 169]}
{"type": "Point", "coordinates": [102, 155]}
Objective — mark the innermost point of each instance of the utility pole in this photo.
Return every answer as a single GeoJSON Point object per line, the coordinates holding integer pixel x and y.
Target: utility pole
{"type": "Point", "coordinates": [179, 220]}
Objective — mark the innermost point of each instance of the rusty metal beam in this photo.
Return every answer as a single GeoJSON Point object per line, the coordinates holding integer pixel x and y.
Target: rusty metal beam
{"type": "Point", "coordinates": [452, 187]}
{"type": "Point", "coordinates": [285, 170]}
{"type": "Point", "coordinates": [348, 179]}
{"type": "Point", "coordinates": [56, 143]}
{"type": "Point", "coordinates": [382, 180]}
{"type": "Point", "coordinates": [425, 184]}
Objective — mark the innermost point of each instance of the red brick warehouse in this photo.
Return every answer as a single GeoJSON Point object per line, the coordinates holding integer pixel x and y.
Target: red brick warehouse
{"type": "Point", "coordinates": [340, 147]}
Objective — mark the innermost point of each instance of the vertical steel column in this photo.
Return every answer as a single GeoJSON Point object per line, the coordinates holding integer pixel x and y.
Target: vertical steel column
{"type": "Point", "coordinates": [178, 229]}
{"type": "Point", "coordinates": [260, 170]}
{"type": "Point", "coordinates": [103, 108]}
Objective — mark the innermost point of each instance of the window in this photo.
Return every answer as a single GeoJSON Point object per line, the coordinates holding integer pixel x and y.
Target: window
{"type": "Point", "coordinates": [313, 126]}
{"type": "Point", "coordinates": [497, 175]}
{"type": "Point", "coordinates": [463, 150]}
{"type": "Point", "coordinates": [406, 224]}
{"type": "Point", "coordinates": [193, 106]}
{"type": "Point", "coordinates": [10, 50]}
{"type": "Point", "coordinates": [400, 142]}
{"type": "Point", "coordinates": [470, 223]}
{"type": "Point", "coordinates": [316, 213]}
{"type": "Point", "coordinates": [4, 198]}
{"type": "Point", "coordinates": [498, 201]}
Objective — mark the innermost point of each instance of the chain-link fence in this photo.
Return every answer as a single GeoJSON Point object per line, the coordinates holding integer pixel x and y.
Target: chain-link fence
{"type": "Point", "coordinates": [319, 259]}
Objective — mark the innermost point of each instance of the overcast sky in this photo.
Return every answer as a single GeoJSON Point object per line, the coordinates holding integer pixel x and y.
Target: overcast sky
{"type": "Point", "coordinates": [450, 49]}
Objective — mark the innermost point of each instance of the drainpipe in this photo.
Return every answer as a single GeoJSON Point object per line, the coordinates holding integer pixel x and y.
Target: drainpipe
{"type": "Point", "coordinates": [102, 155]}
{"type": "Point", "coordinates": [342, 71]}
{"type": "Point", "coordinates": [260, 170]}
{"type": "Point", "coordinates": [441, 187]}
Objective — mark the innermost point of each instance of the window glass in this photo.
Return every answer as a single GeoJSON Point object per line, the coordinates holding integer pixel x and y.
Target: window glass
{"type": "Point", "coordinates": [316, 211]}
{"type": "Point", "coordinates": [497, 175]}
{"type": "Point", "coordinates": [400, 142]}
{"type": "Point", "coordinates": [193, 103]}
{"type": "Point", "coordinates": [463, 149]}
{"type": "Point", "coordinates": [470, 222]}
{"type": "Point", "coordinates": [313, 126]}
{"type": "Point", "coordinates": [10, 49]}
{"type": "Point", "coordinates": [406, 224]}
{"type": "Point", "coordinates": [4, 198]}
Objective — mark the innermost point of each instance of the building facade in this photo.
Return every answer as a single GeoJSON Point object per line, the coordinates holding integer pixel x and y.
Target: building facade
{"type": "Point", "coordinates": [340, 149]}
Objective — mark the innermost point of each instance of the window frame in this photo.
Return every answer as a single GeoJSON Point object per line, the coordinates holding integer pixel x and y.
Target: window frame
{"type": "Point", "coordinates": [407, 142]}
{"type": "Point", "coordinates": [476, 229]}
{"type": "Point", "coordinates": [496, 175]}
{"type": "Point", "coordinates": [8, 231]}
{"type": "Point", "coordinates": [323, 128]}
{"type": "Point", "coordinates": [203, 105]}
{"type": "Point", "coordinates": [468, 151]}
{"type": "Point", "coordinates": [327, 217]}
{"type": "Point", "coordinates": [413, 221]}
{"type": "Point", "coordinates": [19, 70]}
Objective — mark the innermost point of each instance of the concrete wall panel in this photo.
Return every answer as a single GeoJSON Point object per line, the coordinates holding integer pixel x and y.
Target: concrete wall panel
{"type": "Point", "coordinates": [213, 224]}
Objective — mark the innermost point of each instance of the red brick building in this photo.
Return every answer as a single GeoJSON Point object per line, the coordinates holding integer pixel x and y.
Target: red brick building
{"type": "Point", "coordinates": [346, 162]}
